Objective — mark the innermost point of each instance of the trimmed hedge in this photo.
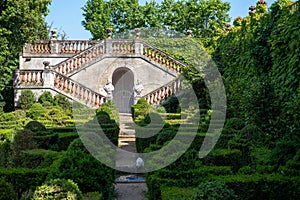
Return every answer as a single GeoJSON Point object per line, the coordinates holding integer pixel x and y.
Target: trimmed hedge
{"type": "Point", "coordinates": [267, 186]}
{"type": "Point", "coordinates": [38, 158]}
{"type": "Point", "coordinates": [24, 180]}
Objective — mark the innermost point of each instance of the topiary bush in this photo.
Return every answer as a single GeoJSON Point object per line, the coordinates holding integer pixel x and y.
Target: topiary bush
{"type": "Point", "coordinates": [35, 126]}
{"type": "Point", "coordinates": [27, 99]}
{"type": "Point", "coordinates": [140, 109]}
{"type": "Point", "coordinates": [80, 166]}
{"type": "Point", "coordinates": [62, 101]}
{"type": "Point", "coordinates": [58, 189]}
{"type": "Point", "coordinates": [7, 191]}
{"type": "Point", "coordinates": [46, 97]}
{"type": "Point", "coordinates": [36, 111]}
{"type": "Point", "coordinates": [213, 190]}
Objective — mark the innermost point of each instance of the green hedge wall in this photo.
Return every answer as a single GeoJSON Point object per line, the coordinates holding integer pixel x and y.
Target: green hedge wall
{"type": "Point", "coordinates": [24, 179]}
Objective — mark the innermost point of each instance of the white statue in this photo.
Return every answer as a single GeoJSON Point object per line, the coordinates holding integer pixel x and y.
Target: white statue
{"type": "Point", "coordinates": [138, 88]}
{"type": "Point", "coordinates": [109, 88]}
{"type": "Point", "coordinates": [139, 162]}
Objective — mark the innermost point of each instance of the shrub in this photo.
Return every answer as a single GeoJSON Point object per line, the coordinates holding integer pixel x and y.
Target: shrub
{"type": "Point", "coordinates": [62, 101]}
{"type": "Point", "coordinates": [58, 189]}
{"type": "Point", "coordinates": [37, 111]}
{"type": "Point", "coordinates": [35, 126]}
{"type": "Point", "coordinates": [140, 109]}
{"type": "Point", "coordinates": [27, 99]}
{"type": "Point", "coordinates": [234, 123]}
{"type": "Point", "coordinates": [154, 188]}
{"type": "Point", "coordinates": [285, 149]}
{"type": "Point", "coordinates": [6, 154]}
{"type": "Point", "coordinates": [7, 191]}
{"type": "Point", "coordinates": [80, 166]}
{"type": "Point", "coordinates": [213, 190]}
{"type": "Point", "coordinates": [171, 105]}
{"type": "Point", "coordinates": [92, 196]}
{"type": "Point", "coordinates": [24, 180]}
{"type": "Point", "coordinates": [46, 97]}
{"type": "Point", "coordinates": [111, 109]}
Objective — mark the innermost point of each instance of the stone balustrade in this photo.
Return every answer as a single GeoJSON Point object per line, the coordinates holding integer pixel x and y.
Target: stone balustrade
{"type": "Point", "coordinates": [58, 46]}
{"type": "Point", "coordinates": [29, 78]}
{"type": "Point", "coordinates": [157, 96]}
{"type": "Point", "coordinates": [162, 58]}
{"type": "Point", "coordinates": [79, 91]}
{"type": "Point", "coordinates": [74, 46]}
{"type": "Point", "coordinates": [79, 60]}
{"type": "Point", "coordinates": [123, 47]}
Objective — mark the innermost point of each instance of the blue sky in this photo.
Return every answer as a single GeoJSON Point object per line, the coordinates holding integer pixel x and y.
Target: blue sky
{"type": "Point", "coordinates": [67, 15]}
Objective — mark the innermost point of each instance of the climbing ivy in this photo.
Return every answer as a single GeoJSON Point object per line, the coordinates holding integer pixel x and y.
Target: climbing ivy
{"type": "Point", "coordinates": [259, 60]}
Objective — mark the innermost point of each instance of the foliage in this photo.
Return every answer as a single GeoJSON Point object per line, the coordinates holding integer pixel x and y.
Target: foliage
{"type": "Point", "coordinates": [46, 97]}
{"type": "Point", "coordinates": [62, 101]}
{"type": "Point", "coordinates": [36, 111]}
{"type": "Point", "coordinates": [258, 59]}
{"type": "Point", "coordinates": [140, 109]}
{"type": "Point", "coordinates": [285, 149]}
{"type": "Point", "coordinates": [58, 189]}
{"type": "Point", "coordinates": [24, 180]}
{"type": "Point", "coordinates": [81, 167]}
{"type": "Point", "coordinates": [20, 22]}
{"type": "Point", "coordinates": [111, 109]}
{"type": "Point", "coordinates": [27, 99]}
{"type": "Point", "coordinates": [7, 191]}
{"type": "Point", "coordinates": [213, 190]}
{"type": "Point", "coordinates": [124, 15]}
{"type": "Point", "coordinates": [35, 126]}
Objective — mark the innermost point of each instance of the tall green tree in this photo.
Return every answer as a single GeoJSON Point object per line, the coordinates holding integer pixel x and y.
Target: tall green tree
{"type": "Point", "coordinates": [21, 21]}
{"type": "Point", "coordinates": [206, 18]}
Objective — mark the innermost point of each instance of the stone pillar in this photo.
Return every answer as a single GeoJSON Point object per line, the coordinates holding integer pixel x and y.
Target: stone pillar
{"type": "Point", "coordinates": [48, 76]}
{"type": "Point", "coordinates": [54, 45]}
{"type": "Point", "coordinates": [108, 42]}
{"type": "Point", "coordinates": [109, 88]}
{"type": "Point", "coordinates": [138, 88]}
{"type": "Point", "coordinates": [138, 46]}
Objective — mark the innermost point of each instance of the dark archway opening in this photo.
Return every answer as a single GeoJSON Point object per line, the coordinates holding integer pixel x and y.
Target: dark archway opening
{"type": "Point", "coordinates": [123, 95]}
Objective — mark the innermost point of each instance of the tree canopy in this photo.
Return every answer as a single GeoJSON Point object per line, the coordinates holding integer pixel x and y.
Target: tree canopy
{"type": "Point", "coordinates": [21, 22]}
{"type": "Point", "coordinates": [206, 18]}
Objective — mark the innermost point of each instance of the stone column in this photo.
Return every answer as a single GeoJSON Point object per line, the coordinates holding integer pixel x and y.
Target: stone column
{"type": "Point", "coordinates": [138, 46]}
{"type": "Point", "coordinates": [108, 42]}
{"type": "Point", "coordinates": [109, 88]}
{"type": "Point", "coordinates": [48, 76]}
{"type": "Point", "coordinates": [138, 88]}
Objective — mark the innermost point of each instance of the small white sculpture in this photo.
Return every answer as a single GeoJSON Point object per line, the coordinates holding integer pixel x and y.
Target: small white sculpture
{"type": "Point", "coordinates": [139, 162]}
{"type": "Point", "coordinates": [109, 88]}
{"type": "Point", "coordinates": [138, 88]}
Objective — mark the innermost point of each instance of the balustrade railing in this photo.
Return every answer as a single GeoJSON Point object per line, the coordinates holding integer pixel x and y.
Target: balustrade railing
{"type": "Point", "coordinates": [58, 46]}
{"type": "Point", "coordinates": [74, 46]}
{"type": "Point", "coordinates": [29, 78]}
{"type": "Point", "coordinates": [77, 90]}
{"type": "Point", "coordinates": [157, 96]}
{"type": "Point", "coordinates": [162, 58]}
{"type": "Point", "coordinates": [123, 47]}
{"type": "Point", "coordinates": [39, 47]}
{"type": "Point", "coordinates": [77, 61]}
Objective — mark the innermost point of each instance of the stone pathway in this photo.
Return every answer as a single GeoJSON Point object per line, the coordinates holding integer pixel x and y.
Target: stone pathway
{"type": "Point", "coordinates": [130, 190]}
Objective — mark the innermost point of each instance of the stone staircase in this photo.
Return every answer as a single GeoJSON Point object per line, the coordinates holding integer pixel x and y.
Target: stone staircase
{"type": "Point", "coordinates": [82, 54]}
{"type": "Point", "coordinates": [126, 161]}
